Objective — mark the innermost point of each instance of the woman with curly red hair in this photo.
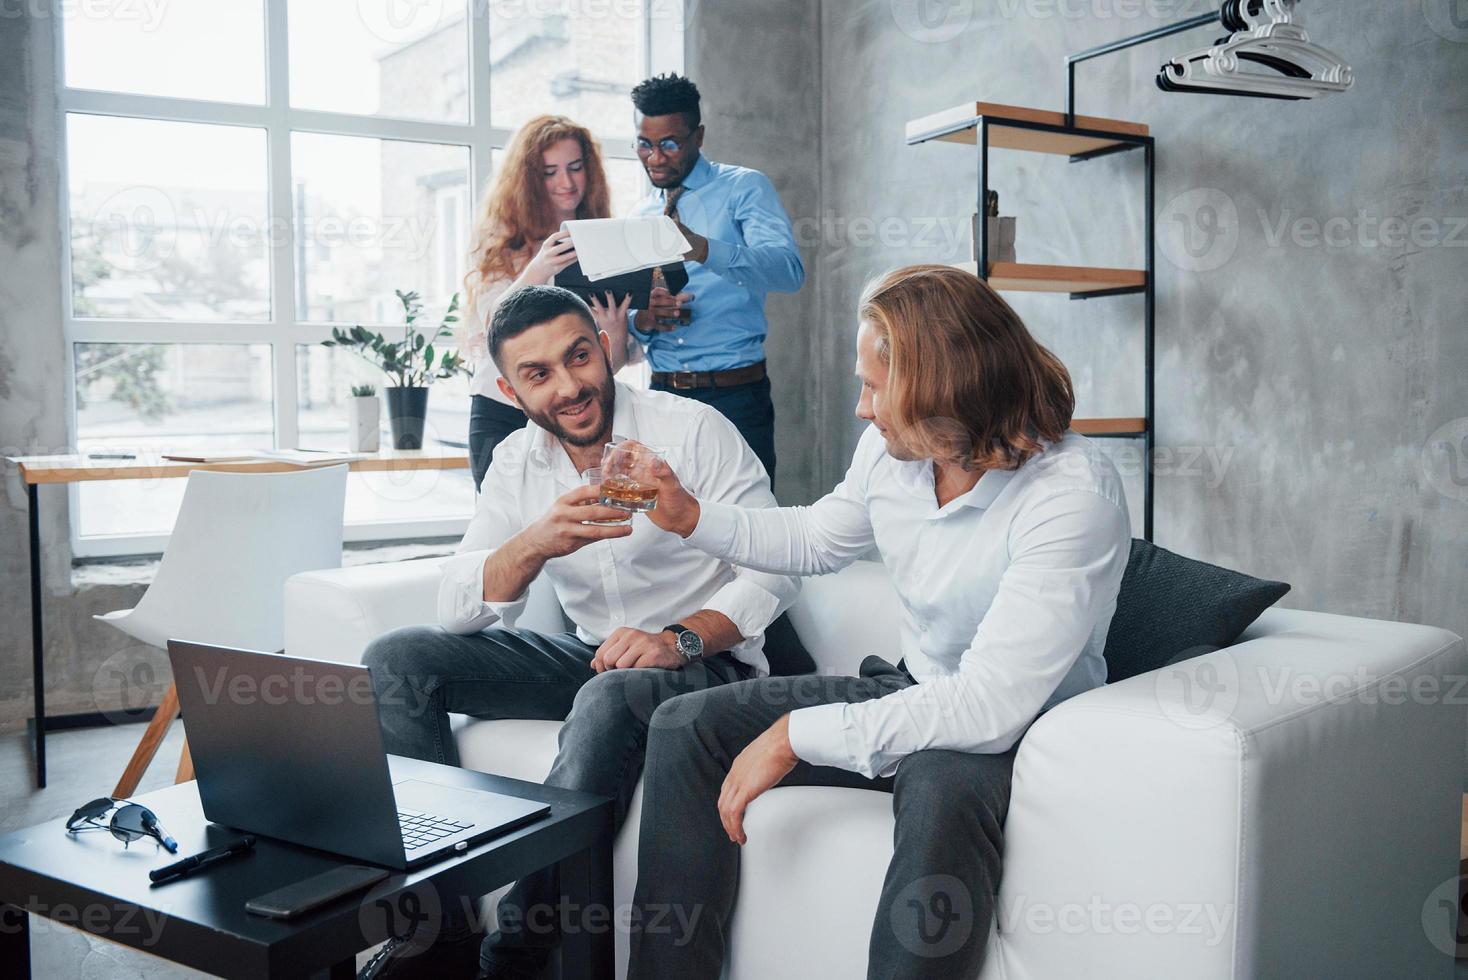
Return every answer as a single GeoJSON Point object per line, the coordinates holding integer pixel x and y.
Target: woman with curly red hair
{"type": "Point", "coordinates": [552, 172]}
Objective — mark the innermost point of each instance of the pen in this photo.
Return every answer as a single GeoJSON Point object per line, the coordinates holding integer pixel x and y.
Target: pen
{"type": "Point", "coordinates": [186, 867]}
{"type": "Point", "coordinates": [111, 456]}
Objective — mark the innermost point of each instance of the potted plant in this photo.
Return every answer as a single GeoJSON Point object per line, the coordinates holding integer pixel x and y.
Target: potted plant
{"type": "Point", "coordinates": [411, 365]}
{"type": "Point", "coordinates": [363, 413]}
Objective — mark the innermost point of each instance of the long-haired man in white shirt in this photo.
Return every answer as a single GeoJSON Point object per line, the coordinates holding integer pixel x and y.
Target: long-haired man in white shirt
{"type": "Point", "coordinates": [654, 617]}
{"type": "Point", "coordinates": [1005, 535]}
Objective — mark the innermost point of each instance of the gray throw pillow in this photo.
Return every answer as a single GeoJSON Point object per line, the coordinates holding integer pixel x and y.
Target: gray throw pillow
{"type": "Point", "coordinates": [1170, 606]}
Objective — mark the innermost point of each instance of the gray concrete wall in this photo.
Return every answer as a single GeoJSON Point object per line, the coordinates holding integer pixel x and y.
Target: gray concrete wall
{"type": "Point", "coordinates": [757, 65]}
{"type": "Point", "coordinates": [81, 655]}
{"type": "Point", "coordinates": [1310, 364]}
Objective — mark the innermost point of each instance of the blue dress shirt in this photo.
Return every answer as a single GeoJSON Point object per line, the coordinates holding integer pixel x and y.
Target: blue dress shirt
{"type": "Point", "coordinates": [751, 253]}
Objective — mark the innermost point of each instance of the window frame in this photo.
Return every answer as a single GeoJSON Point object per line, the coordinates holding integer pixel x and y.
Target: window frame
{"type": "Point", "coordinates": [661, 50]}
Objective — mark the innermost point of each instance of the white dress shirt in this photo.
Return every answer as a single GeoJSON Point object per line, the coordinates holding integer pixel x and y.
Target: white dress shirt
{"type": "Point", "coordinates": [1007, 592]}
{"type": "Point", "coordinates": [647, 580]}
{"type": "Point", "coordinates": [474, 342]}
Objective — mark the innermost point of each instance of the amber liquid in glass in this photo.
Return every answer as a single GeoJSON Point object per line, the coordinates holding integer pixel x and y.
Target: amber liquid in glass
{"type": "Point", "coordinates": [628, 494]}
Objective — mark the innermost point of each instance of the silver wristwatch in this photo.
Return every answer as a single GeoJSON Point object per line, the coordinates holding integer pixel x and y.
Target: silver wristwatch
{"type": "Point", "coordinates": [689, 643]}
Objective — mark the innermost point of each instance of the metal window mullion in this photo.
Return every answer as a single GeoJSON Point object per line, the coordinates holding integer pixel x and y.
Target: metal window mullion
{"type": "Point", "coordinates": [63, 200]}
{"type": "Point", "coordinates": [283, 312]}
{"type": "Point", "coordinates": [486, 137]}
{"type": "Point", "coordinates": [160, 107]}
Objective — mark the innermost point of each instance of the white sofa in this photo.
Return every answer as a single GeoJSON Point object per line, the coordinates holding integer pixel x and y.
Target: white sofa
{"type": "Point", "coordinates": [1278, 808]}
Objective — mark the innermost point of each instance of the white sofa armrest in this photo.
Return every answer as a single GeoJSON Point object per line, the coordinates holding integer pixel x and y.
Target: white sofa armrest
{"type": "Point", "coordinates": [1275, 808]}
{"type": "Point", "coordinates": [332, 614]}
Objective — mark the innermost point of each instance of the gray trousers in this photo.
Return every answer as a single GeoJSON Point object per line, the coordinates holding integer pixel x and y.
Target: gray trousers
{"type": "Point", "coordinates": [937, 901]}
{"type": "Point", "coordinates": [421, 674]}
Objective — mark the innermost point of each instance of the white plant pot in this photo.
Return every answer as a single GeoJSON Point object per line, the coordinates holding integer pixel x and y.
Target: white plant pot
{"type": "Point", "coordinates": [363, 424]}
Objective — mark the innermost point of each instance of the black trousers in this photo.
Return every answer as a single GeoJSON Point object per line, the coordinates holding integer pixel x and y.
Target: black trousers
{"type": "Point", "coordinates": [489, 423]}
{"type": "Point", "coordinates": [421, 673]}
{"type": "Point", "coordinates": [750, 409]}
{"type": "Point", "coordinates": [939, 895]}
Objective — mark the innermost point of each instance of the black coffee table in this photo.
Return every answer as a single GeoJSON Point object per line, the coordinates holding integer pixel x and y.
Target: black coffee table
{"type": "Point", "coordinates": [91, 882]}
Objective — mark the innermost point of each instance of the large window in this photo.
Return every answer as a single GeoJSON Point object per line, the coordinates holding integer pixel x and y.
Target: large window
{"type": "Point", "coordinates": [242, 175]}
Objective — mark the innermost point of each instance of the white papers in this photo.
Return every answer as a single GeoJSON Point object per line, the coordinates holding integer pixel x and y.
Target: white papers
{"type": "Point", "coordinates": [612, 246]}
{"type": "Point", "coordinates": [310, 457]}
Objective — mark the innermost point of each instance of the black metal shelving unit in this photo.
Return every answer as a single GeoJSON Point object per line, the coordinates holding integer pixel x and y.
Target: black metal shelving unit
{"type": "Point", "coordinates": [992, 126]}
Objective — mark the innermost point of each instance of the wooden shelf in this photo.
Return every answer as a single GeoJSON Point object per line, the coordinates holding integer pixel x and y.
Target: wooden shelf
{"type": "Point", "coordinates": [1109, 427]}
{"type": "Point", "coordinates": [960, 125]}
{"type": "Point", "coordinates": [1030, 278]}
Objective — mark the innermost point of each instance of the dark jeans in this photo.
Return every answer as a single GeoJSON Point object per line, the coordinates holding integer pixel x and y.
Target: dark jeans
{"type": "Point", "coordinates": [421, 674]}
{"type": "Point", "coordinates": [938, 898]}
{"type": "Point", "coordinates": [750, 409]}
{"type": "Point", "coordinates": [489, 422]}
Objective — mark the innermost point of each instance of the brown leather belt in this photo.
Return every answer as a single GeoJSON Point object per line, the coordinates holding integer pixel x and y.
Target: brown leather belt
{"type": "Point", "coordinates": [685, 380]}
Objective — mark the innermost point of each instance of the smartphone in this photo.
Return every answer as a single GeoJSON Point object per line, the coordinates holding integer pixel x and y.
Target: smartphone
{"type": "Point", "coordinates": [303, 896]}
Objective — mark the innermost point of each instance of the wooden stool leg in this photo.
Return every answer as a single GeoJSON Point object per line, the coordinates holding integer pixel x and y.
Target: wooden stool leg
{"type": "Point", "coordinates": [185, 764]}
{"type": "Point", "coordinates": [148, 745]}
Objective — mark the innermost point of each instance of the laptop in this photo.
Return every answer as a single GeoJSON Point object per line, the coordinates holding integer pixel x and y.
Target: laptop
{"type": "Point", "coordinates": [290, 748]}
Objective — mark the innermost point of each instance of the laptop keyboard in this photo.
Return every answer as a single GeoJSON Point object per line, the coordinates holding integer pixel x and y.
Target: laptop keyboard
{"type": "Point", "coordinates": [422, 829]}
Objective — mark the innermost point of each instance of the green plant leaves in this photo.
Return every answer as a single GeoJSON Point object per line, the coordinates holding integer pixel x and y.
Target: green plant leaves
{"type": "Point", "coordinates": [408, 362]}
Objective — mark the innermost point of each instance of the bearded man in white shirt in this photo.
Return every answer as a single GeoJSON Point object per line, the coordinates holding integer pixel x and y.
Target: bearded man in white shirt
{"type": "Point", "coordinates": [1005, 535]}
{"type": "Point", "coordinates": [654, 617]}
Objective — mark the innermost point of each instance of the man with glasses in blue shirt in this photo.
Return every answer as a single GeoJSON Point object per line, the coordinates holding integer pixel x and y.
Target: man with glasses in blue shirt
{"type": "Point", "coordinates": [707, 342]}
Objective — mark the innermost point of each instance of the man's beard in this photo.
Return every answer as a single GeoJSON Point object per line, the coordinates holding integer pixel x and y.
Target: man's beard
{"type": "Point", "coordinates": [605, 397]}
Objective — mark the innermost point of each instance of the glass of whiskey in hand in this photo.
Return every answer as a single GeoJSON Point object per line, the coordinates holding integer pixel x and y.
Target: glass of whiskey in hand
{"type": "Point", "coordinates": [626, 481]}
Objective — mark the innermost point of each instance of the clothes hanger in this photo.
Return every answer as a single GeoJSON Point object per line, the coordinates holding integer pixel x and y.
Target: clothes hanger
{"type": "Point", "coordinates": [1264, 36]}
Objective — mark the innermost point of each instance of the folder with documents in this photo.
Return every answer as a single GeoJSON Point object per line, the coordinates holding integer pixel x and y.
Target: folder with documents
{"type": "Point", "coordinates": [612, 246]}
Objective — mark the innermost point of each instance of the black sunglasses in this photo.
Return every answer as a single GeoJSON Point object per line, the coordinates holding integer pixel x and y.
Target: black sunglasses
{"type": "Point", "coordinates": [131, 822]}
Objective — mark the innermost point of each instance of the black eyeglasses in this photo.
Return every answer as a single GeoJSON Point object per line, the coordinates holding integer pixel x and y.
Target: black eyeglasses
{"type": "Point", "coordinates": [130, 823]}
{"type": "Point", "coordinates": [667, 145]}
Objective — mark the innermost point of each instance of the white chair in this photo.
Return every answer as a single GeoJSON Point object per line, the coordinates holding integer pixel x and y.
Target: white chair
{"type": "Point", "coordinates": [237, 539]}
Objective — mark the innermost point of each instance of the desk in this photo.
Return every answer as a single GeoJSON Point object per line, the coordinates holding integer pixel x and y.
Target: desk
{"type": "Point", "coordinates": [91, 882]}
{"type": "Point", "coordinates": [80, 468]}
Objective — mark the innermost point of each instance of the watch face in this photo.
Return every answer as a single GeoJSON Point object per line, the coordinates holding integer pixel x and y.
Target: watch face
{"type": "Point", "coordinates": [690, 643]}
